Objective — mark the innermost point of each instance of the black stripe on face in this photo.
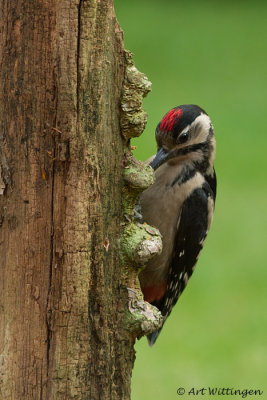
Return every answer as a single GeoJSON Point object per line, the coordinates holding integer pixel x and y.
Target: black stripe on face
{"type": "Point", "coordinates": [192, 148]}
{"type": "Point", "coordinates": [186, 150]}
{"type": "Point", "coordinates": [186, 174]}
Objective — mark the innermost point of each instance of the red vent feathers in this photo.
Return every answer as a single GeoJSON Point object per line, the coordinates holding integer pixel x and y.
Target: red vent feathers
{"type": "Point", "coordinates": [169, 119]}
{"type": "Point", "coordinates": [154, 293]}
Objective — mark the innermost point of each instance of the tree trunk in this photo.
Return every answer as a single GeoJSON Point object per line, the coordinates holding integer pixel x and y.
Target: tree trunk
{"type": "Point", "coordinates": [63, 301]}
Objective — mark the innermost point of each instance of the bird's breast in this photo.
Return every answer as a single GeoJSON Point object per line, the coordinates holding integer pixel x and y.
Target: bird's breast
{"type": "Point", "coordinates": [161, 206]}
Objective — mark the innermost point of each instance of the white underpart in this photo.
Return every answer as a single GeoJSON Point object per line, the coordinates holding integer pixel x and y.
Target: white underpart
{"type": "Point", "coordinates": [159, 200]}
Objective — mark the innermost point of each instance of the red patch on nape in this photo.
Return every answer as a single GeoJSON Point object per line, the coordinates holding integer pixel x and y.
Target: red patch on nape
{"type": "Point", "coordinates": [169, 119]}
{"type": "Point", "coordinates": [153, 293]}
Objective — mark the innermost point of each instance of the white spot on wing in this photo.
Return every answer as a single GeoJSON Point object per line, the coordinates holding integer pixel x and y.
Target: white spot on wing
{"type": "Point", "coordinates": [178, 222]}
{"type": "Point", "coordinates": [202, 241]}
{"type": "Point", "coordinates": [168, 302]}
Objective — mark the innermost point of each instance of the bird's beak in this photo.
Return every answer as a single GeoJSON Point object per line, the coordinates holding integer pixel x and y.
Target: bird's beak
{"type": "Point", "coordinates": [159, 158]}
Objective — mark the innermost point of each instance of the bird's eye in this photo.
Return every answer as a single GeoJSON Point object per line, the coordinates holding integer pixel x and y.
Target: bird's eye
{"type": "Point", "coordinates": [183, 137]}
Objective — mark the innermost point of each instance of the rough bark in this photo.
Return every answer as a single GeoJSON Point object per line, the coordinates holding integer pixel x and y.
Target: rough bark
{"type": "Point", "coordinates": [66, 210]}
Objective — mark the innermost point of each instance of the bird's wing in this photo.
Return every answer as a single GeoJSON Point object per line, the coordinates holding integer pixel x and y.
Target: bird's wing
{"type": "Point", "coordinates": [193, 226]}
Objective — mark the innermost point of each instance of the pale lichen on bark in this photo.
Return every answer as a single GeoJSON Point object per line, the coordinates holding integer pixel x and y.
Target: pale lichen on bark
{"type": "Point", "coordinates": [136, 87]}
{"type": "Point", "coordinates": [140, 242]}
{"type": "Point", "coordinates": [142, 318]}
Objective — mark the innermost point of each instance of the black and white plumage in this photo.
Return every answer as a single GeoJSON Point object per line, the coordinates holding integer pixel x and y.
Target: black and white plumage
{"type": "Point", "coordinates": [180, 203]}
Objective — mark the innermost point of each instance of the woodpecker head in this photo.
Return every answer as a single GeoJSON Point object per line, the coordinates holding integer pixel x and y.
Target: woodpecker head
{"type": "Point", "coordinates": [185, 134]}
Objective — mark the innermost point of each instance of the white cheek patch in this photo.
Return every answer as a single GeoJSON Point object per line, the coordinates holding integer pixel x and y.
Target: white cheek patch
{"type": "Point", "coordinates": [200, 129]}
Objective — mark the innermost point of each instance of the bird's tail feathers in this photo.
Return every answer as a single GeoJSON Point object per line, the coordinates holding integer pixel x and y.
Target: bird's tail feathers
{"type": "Point", "coordinates": [152, 337]}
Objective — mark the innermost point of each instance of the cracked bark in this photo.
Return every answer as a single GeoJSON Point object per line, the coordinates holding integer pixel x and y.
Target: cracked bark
{"type": "Point", "coordinates": [63, 296]}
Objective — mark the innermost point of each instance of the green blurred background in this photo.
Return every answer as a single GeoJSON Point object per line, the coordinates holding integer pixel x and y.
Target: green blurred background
{"type": "Point", "coordinates": [213, 54]}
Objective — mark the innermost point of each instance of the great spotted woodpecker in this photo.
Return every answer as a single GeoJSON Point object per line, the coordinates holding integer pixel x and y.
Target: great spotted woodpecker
{"type": "Point", "coordinates": [180, 203]}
